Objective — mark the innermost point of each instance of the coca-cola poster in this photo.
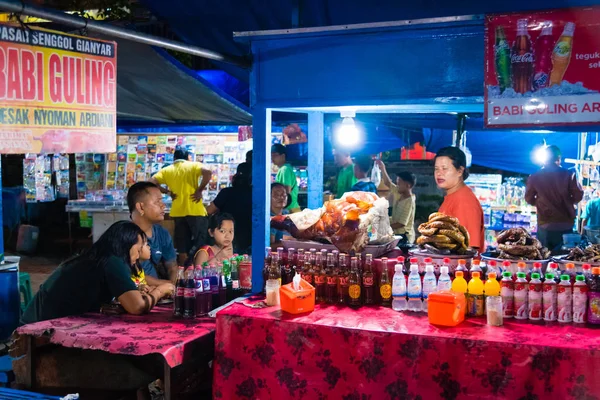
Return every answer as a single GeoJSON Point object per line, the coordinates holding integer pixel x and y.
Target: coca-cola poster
{"type": "Point", "coordinates": [543, 68]}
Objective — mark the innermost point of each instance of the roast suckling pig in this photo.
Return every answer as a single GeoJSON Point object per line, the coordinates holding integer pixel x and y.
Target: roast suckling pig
{"type": "Point", "coordinates": [443, 232]}
{"type": "Point", "coordinates": [341, 222]}
{"type": "Point", "coordinates": [518, 244]}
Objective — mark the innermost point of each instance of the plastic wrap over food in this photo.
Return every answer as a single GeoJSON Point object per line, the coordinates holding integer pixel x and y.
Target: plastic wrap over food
{"type": "Point", "coordinates": [377, 223]}
{"type": "Point", "coordinates": [348, 223]}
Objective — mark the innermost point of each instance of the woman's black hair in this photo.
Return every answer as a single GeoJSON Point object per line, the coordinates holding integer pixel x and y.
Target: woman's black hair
{"type": "Point", "coordinates": [408, 177]}
{"type": "Point", "coordinates": [216, 220]}
{"type": "Point", "coordinates": [289, 198]}
{"type": "Point", "coordinates": [243, 176]}
{"type": "Point", "coordinates": [458, 157]}
{"type": "Point", "coordinates": [117, 241]}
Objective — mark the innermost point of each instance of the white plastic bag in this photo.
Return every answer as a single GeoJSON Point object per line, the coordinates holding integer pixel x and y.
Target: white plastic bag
{"type": "Point", "coordinates": [376, 175]}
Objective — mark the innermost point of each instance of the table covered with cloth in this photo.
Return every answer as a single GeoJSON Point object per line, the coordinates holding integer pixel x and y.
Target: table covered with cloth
{"type": "Point", "coordinates": [377, 353]}
{"type": "Point", "coordinates": [176, 341]}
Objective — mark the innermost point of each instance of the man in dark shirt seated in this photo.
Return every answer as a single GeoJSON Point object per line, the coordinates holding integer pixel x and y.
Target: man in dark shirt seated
{"type": "Point", "coordinates": [554, 191]}
{"type": "Point", "coordinates": [147, 209]}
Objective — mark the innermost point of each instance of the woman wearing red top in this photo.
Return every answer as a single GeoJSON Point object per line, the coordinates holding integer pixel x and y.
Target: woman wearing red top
{"type": "Point", "coordinates": [460, 202]}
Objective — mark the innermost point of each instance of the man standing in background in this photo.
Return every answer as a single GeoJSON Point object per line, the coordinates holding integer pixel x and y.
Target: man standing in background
{"type": "Point", "coordinates": [345, 178]}
{"type": "Point", "coordinates": [185, 181]}
{"type": "Point", "coordinates": [554, 191]}
{"type": "Point", "coordinates": [286, 175]}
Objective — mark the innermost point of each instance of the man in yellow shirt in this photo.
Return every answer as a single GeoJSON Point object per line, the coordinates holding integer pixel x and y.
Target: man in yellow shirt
{"type": "Point", "coordinates": [185, 181]}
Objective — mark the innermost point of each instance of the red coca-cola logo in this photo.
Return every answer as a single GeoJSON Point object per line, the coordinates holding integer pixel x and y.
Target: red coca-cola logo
{"type": "Point", "coordinates": [521, 58]}
{"type": "Point", "coordinates": [368, 281]}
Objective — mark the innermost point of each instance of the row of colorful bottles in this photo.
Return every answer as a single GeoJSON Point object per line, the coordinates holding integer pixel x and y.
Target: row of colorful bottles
{"type": "Point", "coordinates": [199, 290]}
{"type": "Point", "coordinates": [551, 301]}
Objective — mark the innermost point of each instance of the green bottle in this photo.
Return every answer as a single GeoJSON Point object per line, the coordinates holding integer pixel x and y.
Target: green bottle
{"type": "Point", "coordinates": [502, 59]}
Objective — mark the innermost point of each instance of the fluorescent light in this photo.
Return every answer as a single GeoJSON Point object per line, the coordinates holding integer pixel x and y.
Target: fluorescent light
{"type": "Point", "coordinates": [540, 155]}
{"type": "Point", "coordinates": [347, 133]}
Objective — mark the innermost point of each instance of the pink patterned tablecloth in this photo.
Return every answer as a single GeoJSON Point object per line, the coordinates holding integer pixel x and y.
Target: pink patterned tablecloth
{"type": "Point", "coordinates": [136, 335]}
{"type": "Point", "coordinates": [377, 353]}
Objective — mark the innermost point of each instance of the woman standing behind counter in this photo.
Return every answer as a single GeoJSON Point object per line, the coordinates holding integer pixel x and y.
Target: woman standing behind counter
{"type": "Point", "coordinates": [460, 202]}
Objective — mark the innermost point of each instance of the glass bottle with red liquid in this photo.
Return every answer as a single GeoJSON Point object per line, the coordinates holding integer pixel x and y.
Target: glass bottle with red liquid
{"type": "Point", "coordinates": [179, 292]}
{"type": "Point", "coordinates": [354, 284]}
{"type": "Point", "coordinates": [368, 280]}
{"type": "Point", "coordinates": [189, 295]}
{"type": "Point", "coordinates": [266, 267]}
{"type": "Point", "coordinates": [343, 275]}
{"type": "Point", "coordinates": [476, 267]}
{"type": "Point", "coordinates": [522, 59]}
{"type": "Point", "coordinates": [201, 305]}
{"type": "Point", "coordinates": [320, 277]}
{"type": "Point", "coordinates": [287, 271]}
{"type": "Point", "coordinates": [332, 280]}
{"type": "Point", "coordinates": [307, 272]}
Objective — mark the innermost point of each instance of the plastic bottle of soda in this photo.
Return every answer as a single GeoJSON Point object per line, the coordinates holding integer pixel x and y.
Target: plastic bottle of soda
{"type": "Point", "coordinates": [522, 59]}
{"type": "Point", "coordinates": [368, 280]}
{"type": "Point", "coordinates": [462, 266]}
{"type": "Point", "coordinates": [570, 270]}
{"type": "Point", "coordinates": [235, 278]}
{"type": "Point", "coordinates": [594, 297]}
{"type": "Point", "coordinates": [580, 298]}
{"type": "Point", "coordinates": [522, 267]}
{"type": "Point", "coordinates": [266, 267]}
{"type": "Point", "coordinates": [561, 55]}
{"type": "Point", "coordinates": [445, 263]}
{"type": "Point", "coordinates": [492, 266]}
{"type": "Point", "coordinates": [222, 286]}
{"type": "Point", "coordinates": [206, 286]}
{"type": "Point", "coordinates": [521, 296]}
{"type": "Point", "coordinates": [537, 268]}
{"type": "Point", "coordinates": [399, 289]}
{"type": "Point", "coordinates": [565, 299]}
{"type": "Point", "coordinates": [414, 289]}
{"type": "Point", "coordinates": [507, 291]}
{"type": "Point", "coordinates": [587, 272]}
{"type": "Point", "coordinates": [549, 298]}
{"type": "Point", "coordinates": [534, 301]}
{"type": "Point", "coordinates": [476, 267]}
{"type": "Point", "coordinates": [385, 285]}
{"type": "Point", "coordinates": [200, 299]}
{"type": "Point", "coordinates": [179, 292]}
{"type": "Point", "coordinates": [491, 286]}
{"type": "Point", "coordinates": [553, 269]}
{"type": "Point", "coordinates": [507, 267]}
{"type": "Point", "coordinates": [459, 284]}
{"type": "Point", "coordinates": [543, 57]}
{"type": "Point", "coordinates": [429, 286]}
{"type": "Point", "coordinates": [189, 295]}
{"type": "Point", "coordinates": [307, 270]}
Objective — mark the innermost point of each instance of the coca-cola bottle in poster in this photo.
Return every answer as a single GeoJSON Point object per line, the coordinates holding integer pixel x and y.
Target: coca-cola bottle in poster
{"type": "Point", "coordinates": [543, 57]}
{"type": "Point", "coordinates": [522, 59]}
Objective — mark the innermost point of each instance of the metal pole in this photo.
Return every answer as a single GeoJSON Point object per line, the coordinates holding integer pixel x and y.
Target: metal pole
{"type": "Point", "coordinates": [19, 7]}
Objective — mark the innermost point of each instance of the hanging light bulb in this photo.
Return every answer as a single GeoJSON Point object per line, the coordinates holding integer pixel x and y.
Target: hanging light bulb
{"type": "Point", "coordinates": [540, 155]}
{"type": "Point", "coordinates": [347, 134]}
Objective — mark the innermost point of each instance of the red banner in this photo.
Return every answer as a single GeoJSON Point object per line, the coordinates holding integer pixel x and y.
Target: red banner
{"type": "Point", "coordinates": [58, 92]}
{"type": "Point", "coordinates": [543, 68]}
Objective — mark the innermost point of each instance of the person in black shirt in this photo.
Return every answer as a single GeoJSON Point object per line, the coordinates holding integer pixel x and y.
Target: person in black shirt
{"type": "Point", "coordinates": [237, 201]}
{"type": "Point", "coordinates": [82, 284]}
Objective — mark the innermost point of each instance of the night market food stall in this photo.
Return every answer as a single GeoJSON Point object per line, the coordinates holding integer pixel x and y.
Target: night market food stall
{"type": "Point", "coordinates": [386, 354]}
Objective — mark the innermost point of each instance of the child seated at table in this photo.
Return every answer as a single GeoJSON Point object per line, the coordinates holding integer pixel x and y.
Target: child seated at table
{"type": "Point", "coordinates": [221, 231]}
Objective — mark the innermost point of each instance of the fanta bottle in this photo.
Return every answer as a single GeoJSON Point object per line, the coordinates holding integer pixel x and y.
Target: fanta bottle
{"type": "Point", "coordinates": [492, 287]}
{"type": "Point", "coordinates": [561, 55]}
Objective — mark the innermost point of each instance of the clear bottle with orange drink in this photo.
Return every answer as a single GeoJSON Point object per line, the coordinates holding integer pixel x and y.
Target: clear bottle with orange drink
{"type": "Point", "coordinates": [475, 300]}
{"type": "Point", "coordinates": [561, 55]}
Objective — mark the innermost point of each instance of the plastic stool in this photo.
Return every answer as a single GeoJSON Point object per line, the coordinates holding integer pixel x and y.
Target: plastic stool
{"type": "Point", "coordinates": [25, 289]}
{"type": "Point", "coordinates": [6, 372]}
